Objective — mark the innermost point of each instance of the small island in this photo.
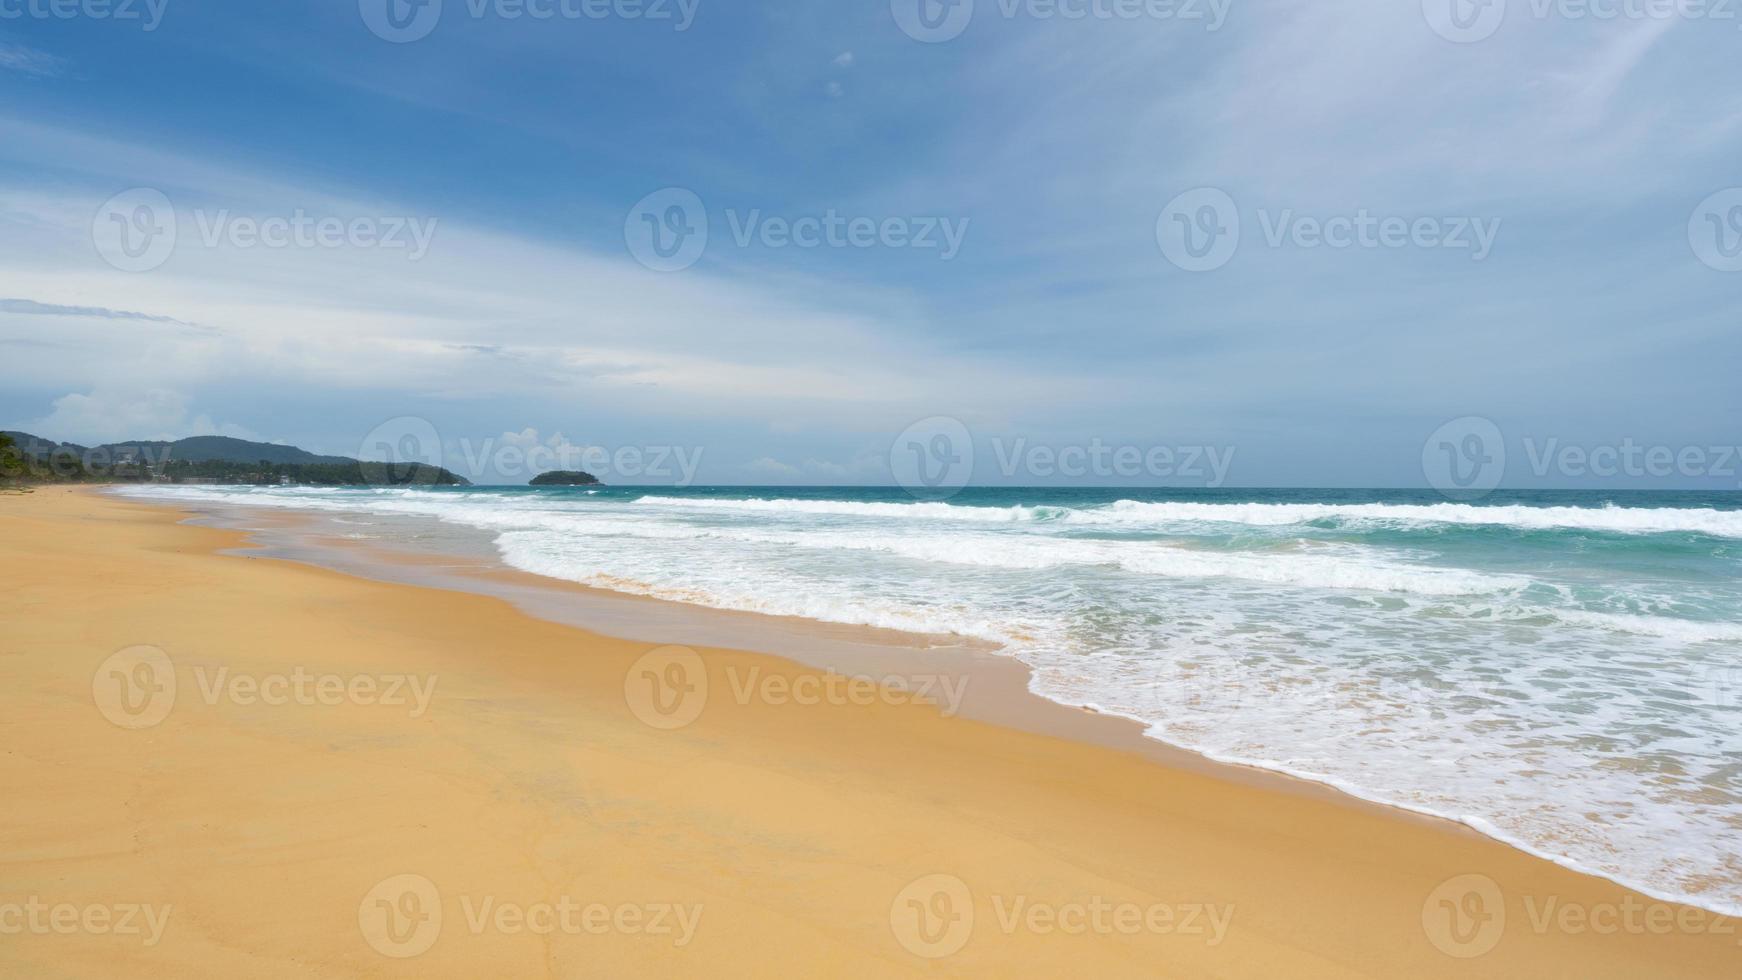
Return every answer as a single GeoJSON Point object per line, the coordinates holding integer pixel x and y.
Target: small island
{"type": "Point", "coordinates": [564, 478]}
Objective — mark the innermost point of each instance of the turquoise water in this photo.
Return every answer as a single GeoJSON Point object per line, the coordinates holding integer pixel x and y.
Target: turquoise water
{"type": "Point", "coordinates": [1562, 670]}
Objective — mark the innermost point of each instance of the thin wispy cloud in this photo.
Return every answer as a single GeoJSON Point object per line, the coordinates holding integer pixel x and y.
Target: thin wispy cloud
{"type": "Point", "coordinates": [29, 61]}
{"type": "Point", "coordinates": [31, 307]}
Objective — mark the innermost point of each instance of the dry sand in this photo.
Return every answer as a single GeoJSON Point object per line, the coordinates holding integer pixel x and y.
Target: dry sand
{"type": "Point", "coordinates": [449, 787]}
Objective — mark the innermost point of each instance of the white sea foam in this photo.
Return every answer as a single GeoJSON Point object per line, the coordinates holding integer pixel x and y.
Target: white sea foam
{"type": "Point", "coordinates": [1626, 520]}
{"type": "Point", "coordinates": [1631, 520]}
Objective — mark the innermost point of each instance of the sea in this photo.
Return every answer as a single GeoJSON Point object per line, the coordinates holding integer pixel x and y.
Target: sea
{"type": "Point", "coordinates": [1561, 670]}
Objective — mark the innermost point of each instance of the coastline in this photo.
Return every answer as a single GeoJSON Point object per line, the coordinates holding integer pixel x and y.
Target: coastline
{"type": "Point", "coordinates": [1005, 689]}
{"type": "Point", "coordinates": [796, 830]}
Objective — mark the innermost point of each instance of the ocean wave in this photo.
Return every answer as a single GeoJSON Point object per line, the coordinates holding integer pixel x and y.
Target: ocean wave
{"type": "Point", "coordinates": [1635, 520]}
{"type": "Point", "coordinates": [1666, 627]}
{"type": "Point", "coordinates": [1626, 520]}
{"type": "Point", "coordinates": [1351, 570]}
{"type": "Point", "coordinates": [924, 510]}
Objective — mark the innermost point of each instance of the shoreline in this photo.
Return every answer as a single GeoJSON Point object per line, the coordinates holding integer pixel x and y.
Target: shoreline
{"type": "Point", "coordinates": [812, 643]}
{"type": "Point", "coordinates": [1013, 701]}
{"type": "Point", "coordinates": [1323, 888]}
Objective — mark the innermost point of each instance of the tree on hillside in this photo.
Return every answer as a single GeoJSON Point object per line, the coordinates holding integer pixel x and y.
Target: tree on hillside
{"type": "Point", "coordinates": [11, 460]}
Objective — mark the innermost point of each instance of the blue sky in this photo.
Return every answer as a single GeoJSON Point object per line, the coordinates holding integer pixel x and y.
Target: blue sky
{"type": "Point", "coordinates": [1053, 148]}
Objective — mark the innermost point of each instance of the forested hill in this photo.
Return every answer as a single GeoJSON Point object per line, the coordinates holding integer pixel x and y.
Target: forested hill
{"type": "Point", "coordinates": [26, 458]}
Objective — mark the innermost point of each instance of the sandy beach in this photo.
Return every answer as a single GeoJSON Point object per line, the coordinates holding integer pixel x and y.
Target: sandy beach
{"type": "Point", "coordinates": [224, 765]}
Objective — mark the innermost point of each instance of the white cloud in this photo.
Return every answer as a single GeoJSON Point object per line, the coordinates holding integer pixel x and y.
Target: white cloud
{"type": "Point", "coordinates": [867, 468]}
{"type": "Point", "coordinates": [484, 312]}
{"type": "Point", "coordinates": [114, 413]}
{"type": "Point", "coordinates": [843, 60]}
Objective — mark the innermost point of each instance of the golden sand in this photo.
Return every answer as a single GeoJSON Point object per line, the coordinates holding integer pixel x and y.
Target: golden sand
{"type": "Point", "coordinates": [353, 778]}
